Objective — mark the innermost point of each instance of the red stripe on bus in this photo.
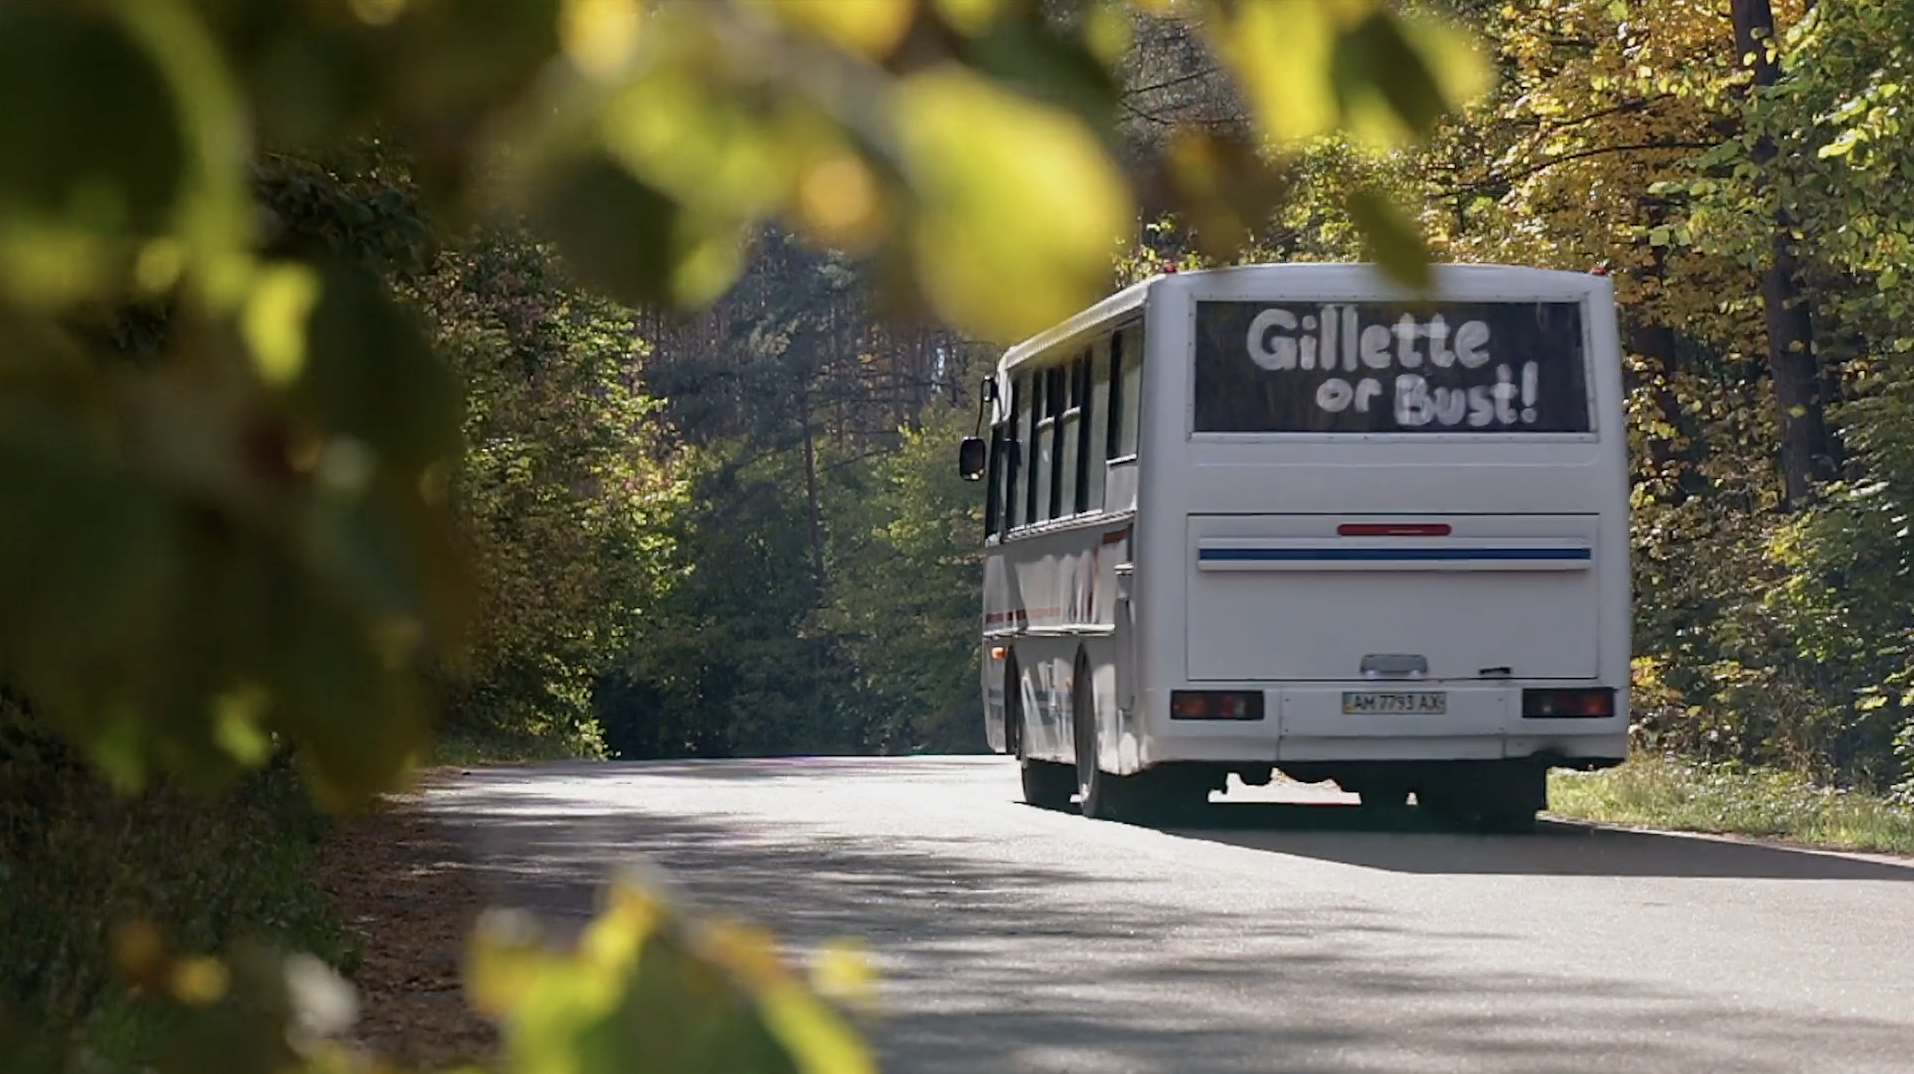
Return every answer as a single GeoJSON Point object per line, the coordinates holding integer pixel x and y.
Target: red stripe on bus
{"type": "Point", "coordinates": [1393, 529]}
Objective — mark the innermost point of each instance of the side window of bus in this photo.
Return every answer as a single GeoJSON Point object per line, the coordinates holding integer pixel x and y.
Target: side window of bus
{"type": "Point", "coordinates": [1043, 466]}
{"type": "Point", "coordinates": [993, 483]}
{"type": "Point", "coordinates": [1034, 460]}
{"type": "Point", "coordinates": [1096, 431]}
{"type": "Point", "coordinates": [1067, 495]}
{"type": "Point", "coordinates": [1015, 512]}
{"type": "Point", "coordinates": [1132, 366]}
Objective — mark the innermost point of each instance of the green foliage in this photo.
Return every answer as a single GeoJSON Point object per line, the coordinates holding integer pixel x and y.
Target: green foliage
{"type": "Point", "coordinates": [904, 592]}
{"type": "Point", "coordinates": [1625, 136]}
{"type": "Point", "coordinates": [77, 861]}
{"type": "Point", "coordinates": [1658, 791]}
{"type": "Point", "coordinates": [731, 662]}
{"type": "Point", "coordinates": [650, 988]}
{"type": "Point", "coordinates": [562, 494]}
{"type": "Point", "coordinates": [249, 535]}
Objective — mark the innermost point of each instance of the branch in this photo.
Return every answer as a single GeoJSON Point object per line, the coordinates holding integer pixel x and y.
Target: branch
{"type": "Point", "coordinates": [1502, 182]}
{"type": "Point", "coordinates": [1630, 105]}
{"type": "Point", "coordinates": [1169, 83]}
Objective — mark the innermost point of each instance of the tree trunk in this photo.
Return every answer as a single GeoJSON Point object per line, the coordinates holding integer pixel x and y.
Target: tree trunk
{"type": "Point", "coordinates": [816, 511]}
{"type": "Point", "coordinates": [1655, 341]}
{"type": "Point", "coordinates": [1807, 454]}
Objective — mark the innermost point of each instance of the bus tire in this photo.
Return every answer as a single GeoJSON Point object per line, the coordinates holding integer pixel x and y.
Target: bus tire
{"type": "Point", "coordinates": [1097, 790]}
{"type": "Point", "coordinates": [1499, 820]}
{"type": "Point", "coordinates": [1013, 709]}
{"type": "Point", "coordinates": [1501, 799]}
{"type": "Point", "coordinates": [1384, 798]}
{"type": "Point", "coordinates": [1047, 784]}
{"type": "Point", "coordinates": [1514, 799]}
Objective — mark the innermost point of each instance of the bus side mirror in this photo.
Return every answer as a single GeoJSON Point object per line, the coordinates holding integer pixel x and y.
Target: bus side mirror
{"type": "Point", "coordinates": [970, 458]}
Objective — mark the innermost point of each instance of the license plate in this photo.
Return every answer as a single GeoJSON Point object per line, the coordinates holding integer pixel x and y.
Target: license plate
{"type": "Point", "coordinates": [1413, 703]}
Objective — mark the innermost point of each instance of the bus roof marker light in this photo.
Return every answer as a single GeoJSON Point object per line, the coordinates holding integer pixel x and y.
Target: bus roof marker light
{"type": "Point", "coordinates": [1394, 529]}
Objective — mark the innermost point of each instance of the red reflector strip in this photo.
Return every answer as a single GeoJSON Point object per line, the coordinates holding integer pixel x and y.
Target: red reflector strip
{"type": "Point", "coordinates": [1393, 529]}
{"type": "Point", "coordinates": [1568, 704]}
{"type": "Point", "coordinates": [1216, 705]}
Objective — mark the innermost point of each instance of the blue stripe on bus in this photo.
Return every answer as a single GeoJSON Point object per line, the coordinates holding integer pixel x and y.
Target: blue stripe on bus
{"type": "Point", "coordinates": [1372, 555]}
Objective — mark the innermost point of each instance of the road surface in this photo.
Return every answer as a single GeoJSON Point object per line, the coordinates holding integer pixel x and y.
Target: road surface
{"type": "Point", "coordinates": [1280, 936]}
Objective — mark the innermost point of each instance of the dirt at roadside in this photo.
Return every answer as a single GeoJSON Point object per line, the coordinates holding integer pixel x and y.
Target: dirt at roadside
{"type": "Point", "coordinates": [408, 899]}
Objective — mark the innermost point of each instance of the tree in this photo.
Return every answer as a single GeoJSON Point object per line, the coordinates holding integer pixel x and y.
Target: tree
{"type": "Point", "coordinates": [1807, 452]}
{"type": "Point", "coordinates": [248, 490]}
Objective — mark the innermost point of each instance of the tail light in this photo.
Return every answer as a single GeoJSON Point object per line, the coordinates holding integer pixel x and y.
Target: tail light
{"type": "Point", "coordinates": [1216, 705]}
{"type": "Point", "coordinates": [1560, 704]}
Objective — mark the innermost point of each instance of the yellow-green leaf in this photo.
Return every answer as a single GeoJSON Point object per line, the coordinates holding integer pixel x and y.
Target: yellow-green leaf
{"type": "Point", "coordinates": [600, 37]}
{"type": "Point", "coordinates": [1390, 237]}
{"type": "Point", "coordinates": [868, 27]}
{"type": "Point", "coordinates": [1021, 207]}
{"type": "Point", "coordinates": [968, 16]}
{"type": "Point", "coordinates": [275, 320]}
{"type": "Point", "coordinates": [1280, 53]}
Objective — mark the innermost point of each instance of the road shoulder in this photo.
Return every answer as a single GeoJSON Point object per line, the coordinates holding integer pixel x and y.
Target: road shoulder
{"type": "Point", "coordinates": [405, 891]}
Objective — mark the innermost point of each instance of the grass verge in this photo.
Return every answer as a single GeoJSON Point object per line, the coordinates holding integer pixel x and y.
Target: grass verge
{"type": "Point", "coordinates": [1728, 799]}
{"type": "Point", "coordinates": [77, 861]}
{"type": "Point", "coordinates": [410, 900]}
{"type": "Point", "coordinates": [458, 748]}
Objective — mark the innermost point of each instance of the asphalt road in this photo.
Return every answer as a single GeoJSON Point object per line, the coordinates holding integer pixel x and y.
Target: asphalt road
{"type": "Point", "coordinates": [1280, 936]}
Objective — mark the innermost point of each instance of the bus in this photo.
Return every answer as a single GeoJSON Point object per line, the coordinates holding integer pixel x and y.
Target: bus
{"type": "Point", "coordinates": [1296, 518]}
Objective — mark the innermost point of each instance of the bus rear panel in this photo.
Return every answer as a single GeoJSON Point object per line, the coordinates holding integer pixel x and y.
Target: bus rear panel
{"type": "Point", "coordinates": [1377, 539]}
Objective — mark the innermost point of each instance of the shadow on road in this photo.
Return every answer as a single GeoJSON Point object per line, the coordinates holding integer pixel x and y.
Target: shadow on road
{"type": "Point", "coordinates": [1002, 951]}
{"type": "Point", "coordinates": [1411, 844]}
{"type": "Point", "coordinates": [743, 770]}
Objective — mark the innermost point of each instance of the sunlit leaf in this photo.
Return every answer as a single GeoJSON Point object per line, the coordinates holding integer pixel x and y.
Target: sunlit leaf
{"type": "Point", "coordinates": [125, 174]}
{"type": "Point", "coordinates": [378, 12]}
{"type": "Point", "coordinates": [1109, 33]}
{"type": "Point", "coordinates": [601, 36]}
{"type": "Point", "coordinates": [616, 233]}
{"type": "Point", "coordinates": [819, 1040]}
{"type": "Point", "coordinates": [1280, 53]}
{"type": "Point", "coordinates": [709, 153]}
{"type": "Point", "coordinates": [1030, 54]}
{"type": "Point", "coordinates": [842, 971]}
{"type": "Point", "coordinates": [870, 27]}
{"type": "Point", "coordinates": [1391, 238]}
{"type": "Point", "coordinates": [1374, 57]}
{"type": "Point", "coordinates": [199, 982]}
{"type": "Point", "coordinates": [139, 951]}
{"type": "Point", "coordinates": [502, 961]}
{"type": "Point", "coordinates": [1225, 188]}
{"type": "Point", "coordinates": [370, 373]}
{"type": "Point", "coordinates": [1453, 56]}
{"type": "Point", "coordinates": [275, 321]}
{"type": "Point", "coordinates": [359, 722]}
{"type": "Point", "coordinates": [1020, 204]}
{"type": "Point", "coordinates": [968, 16]}
{"type": "Point", "coordinates": [216, 219]}
{"type": "Point", "coordinates": [237, 719]}
{"type": "Point", "coordinates": [839, 201]}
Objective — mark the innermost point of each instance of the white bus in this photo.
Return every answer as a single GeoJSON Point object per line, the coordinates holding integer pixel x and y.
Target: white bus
{"type": "Point", "coordinates": [1293, 517]}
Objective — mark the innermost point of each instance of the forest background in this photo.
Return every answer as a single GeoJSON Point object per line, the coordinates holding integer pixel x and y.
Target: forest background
{"type": "Point", "coordinates": [729, 524]}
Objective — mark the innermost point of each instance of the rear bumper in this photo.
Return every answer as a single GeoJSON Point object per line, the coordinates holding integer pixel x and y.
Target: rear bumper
{"type": "Point", "coordinates": [1306, 723]}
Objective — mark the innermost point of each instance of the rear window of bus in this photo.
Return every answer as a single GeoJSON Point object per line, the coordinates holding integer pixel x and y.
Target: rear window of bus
{"type": "Point", "coordinates": [1378, 367]}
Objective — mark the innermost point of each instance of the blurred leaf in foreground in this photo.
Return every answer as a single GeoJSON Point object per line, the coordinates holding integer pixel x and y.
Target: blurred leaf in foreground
{"type": "Point", "coordinates": [242, 504]}
{"type": "Point", "coordinates": [648, 989]}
